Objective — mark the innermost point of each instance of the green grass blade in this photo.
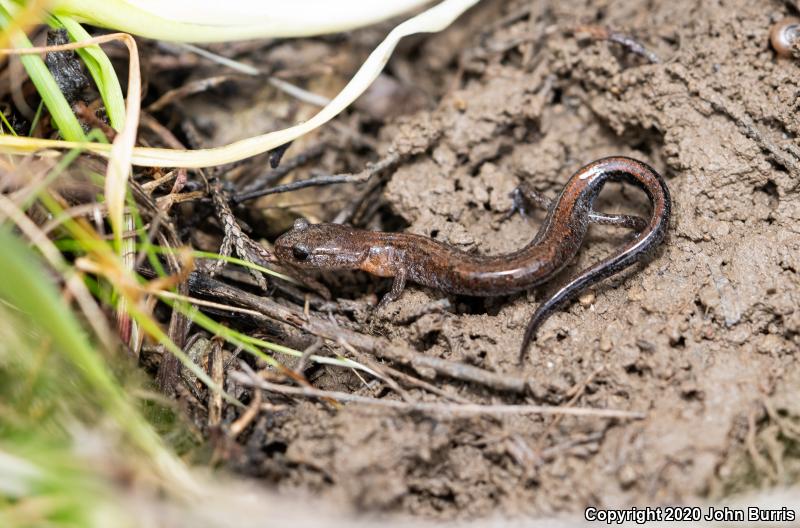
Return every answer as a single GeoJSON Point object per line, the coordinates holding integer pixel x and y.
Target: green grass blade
{"type": "Point", "coordinates": [54, 100]}
{"type": "Point", "coordinates": [31, 291]}
{"type": "Point", "coordinates": [101, 70]}
{"type": "Point", "coordinates": [36, 117]}
{"type": "Point", "coordinates": [7, 124]}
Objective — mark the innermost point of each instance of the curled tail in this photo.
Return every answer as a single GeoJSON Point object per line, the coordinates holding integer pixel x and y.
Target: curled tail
{"type": "Point", "coordinates": [601, 171]}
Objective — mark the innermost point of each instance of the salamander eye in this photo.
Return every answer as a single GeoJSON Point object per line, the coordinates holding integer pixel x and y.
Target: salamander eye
{"type": "Point", "coordinates": [300, 224]}
{"type": "Point", "coordinates": [300, 252]}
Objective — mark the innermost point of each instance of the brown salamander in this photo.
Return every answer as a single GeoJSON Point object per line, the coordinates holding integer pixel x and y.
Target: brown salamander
{"type": "Point", "coordinates": [437, 265]}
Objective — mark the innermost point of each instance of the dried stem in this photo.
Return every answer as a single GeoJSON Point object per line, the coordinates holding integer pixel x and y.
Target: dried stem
{"type": "Point", "coordinates": [443, 410]}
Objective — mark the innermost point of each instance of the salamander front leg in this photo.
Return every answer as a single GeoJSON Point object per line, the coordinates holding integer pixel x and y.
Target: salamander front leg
{"type": "Point", "coordinates": [397, 289]}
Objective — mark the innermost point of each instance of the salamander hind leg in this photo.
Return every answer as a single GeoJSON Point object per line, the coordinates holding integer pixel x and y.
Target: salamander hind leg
{"type": "Point", "coordinates": [636, 223]}
{"type": "Point", "coordinates": [524, 197]}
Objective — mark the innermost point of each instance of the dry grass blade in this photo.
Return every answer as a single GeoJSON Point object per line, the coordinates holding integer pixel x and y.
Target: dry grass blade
{"type": "Point", "coordinates": [286, 87]}
{"type": "Point", "coordinates": [30, 14]}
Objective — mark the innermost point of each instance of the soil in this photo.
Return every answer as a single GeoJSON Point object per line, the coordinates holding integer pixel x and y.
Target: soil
{"type": "Point", "coordinates": [703, 337]}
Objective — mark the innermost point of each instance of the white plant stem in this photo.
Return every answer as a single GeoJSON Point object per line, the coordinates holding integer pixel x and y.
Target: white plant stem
{"type": "Point", "coordinates": [215, 21]}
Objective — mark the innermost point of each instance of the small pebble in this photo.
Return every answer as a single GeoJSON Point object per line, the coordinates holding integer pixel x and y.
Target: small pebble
{"type": "Point", "coordinates": [587, 298]}
{"type": "Point", "coordinates": [635, 294]}
{"type": "Point", "coordinates": [605, 343]}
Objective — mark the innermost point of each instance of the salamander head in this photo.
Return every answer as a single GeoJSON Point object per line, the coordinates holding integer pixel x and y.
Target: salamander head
{"type": "Point", "coordinates": [321, 246]}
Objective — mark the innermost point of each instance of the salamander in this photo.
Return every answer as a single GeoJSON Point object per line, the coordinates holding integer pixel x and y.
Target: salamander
{"type": "Point", "coordinates": [425, 261]}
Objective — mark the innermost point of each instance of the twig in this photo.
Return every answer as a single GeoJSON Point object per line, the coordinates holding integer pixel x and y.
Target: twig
{"type": "Point", "coordinates": [626, 41]}
{"type": "Point", "coordinates": [74, 212]}
{"type": "Point", "coordinates": [437, 306]}
{"type": "Point", "coordinates": [234, 237]}
{"type": "Point", "coordinates": [576, 392]}
{"type": "Point", "coordinates": [789, 429]}
{"type": "Point", "coordinates": [347, 212]}
{"type": "Point", "coordinates": [193, 87]}
{"type": "Point", "coordinates": [307, 353]}
{"type": "Point", "coordinates": [371, 363]}
{"type": "Point", "coordinates": [379, 371]}
{"type": "Point", "coordinates": [152, 185]}
{"type": "Point", "coordinates": [288, 88]}
{"type": "Point", "coordinates": [170, 140]}
{"type": "Point", "coordinates": [276, 155]}
{"type": "Point", "coordinates": [217, 374]}
{"type": "Point", "coordinates": [277, 173]}
{"type": "Point", "coordinates": [551, 452]}
{"type": "Point", "coordinates": [87, 114]}
{"type": "Point", "coordinates": [328, 179]}
{"type": "Point", "coordinates": [152, 232]}
{"type": "Point", "coordinates": [178, 330]}
{"type": "Point", "coordinates": [759, 461]}
{"type": "Point", "coordinates": [169, 370]}
{"type": "Point", "coordinates": [248, 416]}
{"type": "Point", "coordinates": [166, 202]}
{"type": "Point", "coordinates": [439, 409]}
{"type": "Point", "coordinates": [424, 385]}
